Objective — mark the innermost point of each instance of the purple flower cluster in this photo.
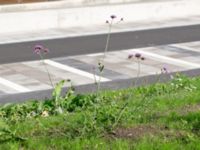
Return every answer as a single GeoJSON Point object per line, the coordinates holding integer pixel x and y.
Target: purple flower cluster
{"type": "Point", "coordinates": [112, 17]}
{"type": "Point", "coordinates": [39, 49]}
{"type": "Point", "coordinates": [164, 70]}
{"type": "Point", "coordinates": [137, 56]}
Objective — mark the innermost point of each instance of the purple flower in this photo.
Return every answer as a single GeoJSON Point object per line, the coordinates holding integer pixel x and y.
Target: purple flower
{"type": "Point", "coordinates": [130, 56]}
{"type": "Point", "coordinates": [38, 49]}
{"type": "Point", "coordinates": [142, 58]}
{"type": "Point", "coordinates": [138, 55]}
{"type": "Point", "coordinates": [164, 70]}
{"type": "Point", "coordinates": [68, 80]}
{"type": "Point", "coordinates": [113, 16]}
{"type": "Point", "coordinates": [46, 50]}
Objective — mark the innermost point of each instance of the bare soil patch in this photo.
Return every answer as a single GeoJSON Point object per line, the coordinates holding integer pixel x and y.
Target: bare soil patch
{"type": "Point", "coordinates": [140, 131]}
{"type": "Point", "coordinates": [135, 132]}
{"type": "Point", "coordinates": [189, 108]}
{"type": "Point", "coordinates": [184, 110]}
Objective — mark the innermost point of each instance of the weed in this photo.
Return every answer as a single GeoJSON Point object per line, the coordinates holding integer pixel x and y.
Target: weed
{"type": "Point", "coordinates": [182, 82]}
{"type": "Point", "coordinates": [101, 61]}
{"type": "Point", "coordinates": [138, 58]}
{"type": "Point", "coordinates": [42, 51]}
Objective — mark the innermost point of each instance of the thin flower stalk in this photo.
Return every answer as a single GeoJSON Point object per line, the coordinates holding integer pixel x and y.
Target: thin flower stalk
{"type": "Point", "coordinates": [101, 61]}
{"type": "Point", "coordinates": [164, 72]}
{"type": "Point", "coordinates": [108, 38]}
{"type": "Point", "coordinates": [138, 58]}
{"type": "Point", "coordinates": [47, 70]}
{"type": "Point", "coordinates": [138, 72]}
{"type": "Point", "coordinates": [41, 51]}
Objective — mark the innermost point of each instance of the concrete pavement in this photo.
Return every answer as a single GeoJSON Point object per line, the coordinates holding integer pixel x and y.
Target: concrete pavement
{"type": "Point", "coordinates": [30, 76]}
{"type": "Point", "coordinates": [125, 26]}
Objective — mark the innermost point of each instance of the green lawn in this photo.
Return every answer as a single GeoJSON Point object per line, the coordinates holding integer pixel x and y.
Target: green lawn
{"type": "Point", "coordinates": [159, 116]}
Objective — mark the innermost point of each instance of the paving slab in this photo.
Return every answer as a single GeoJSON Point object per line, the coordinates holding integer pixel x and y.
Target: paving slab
{"type": "Point", "coordinates": [30, 76]}
{"type": "Point", "coordinates": [57, 33]}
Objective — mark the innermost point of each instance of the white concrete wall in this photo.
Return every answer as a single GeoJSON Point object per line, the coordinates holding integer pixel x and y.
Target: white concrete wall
{"type": "Point", "coordinates": [34, 20]}
{"type": "Point", "coordinates": [62, 4]}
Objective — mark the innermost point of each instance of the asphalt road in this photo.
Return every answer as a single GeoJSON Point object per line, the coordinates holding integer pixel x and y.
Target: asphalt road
{"type": "Point", "coordinates": [96, 43]}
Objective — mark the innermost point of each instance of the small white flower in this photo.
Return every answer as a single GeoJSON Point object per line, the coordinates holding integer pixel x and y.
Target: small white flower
{"type": "Point", "coordinates": [45, 114]}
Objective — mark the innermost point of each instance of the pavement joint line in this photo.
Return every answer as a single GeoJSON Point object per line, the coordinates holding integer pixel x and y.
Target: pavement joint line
{"type": "Point", "coordinates": [169, 60]}
{"type": "Point", "coordinates": [186, 47]}
{"type": "Point", "coordinates": [14, 86]}
{"type": "Point", "coordinates": [74, 70]}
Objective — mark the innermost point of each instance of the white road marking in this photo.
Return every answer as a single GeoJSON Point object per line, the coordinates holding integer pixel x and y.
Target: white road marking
{"type": "Point", "coordinates": [186, 48]}
{"type": "Point", "coordinates": [14, 86]}
{"type": "Point", "coordinates": [95, 54]}
{"type": "Point", "coordinates": [169, 60]}
{"type": "Point", "coordinates": [74, 70]}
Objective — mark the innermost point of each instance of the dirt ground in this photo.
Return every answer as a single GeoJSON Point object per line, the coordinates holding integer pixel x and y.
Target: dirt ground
{"type": "Point", "coordinates": [145, 130]}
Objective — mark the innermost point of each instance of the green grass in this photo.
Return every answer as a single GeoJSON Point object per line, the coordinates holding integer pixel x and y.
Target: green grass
{"type": "Point", "coordinates": [160, 116]}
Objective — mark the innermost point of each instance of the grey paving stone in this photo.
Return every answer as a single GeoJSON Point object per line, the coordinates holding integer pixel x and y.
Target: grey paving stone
{"type": "Point", "coordinates": [33, 75]}
{"type": "Point", "coordinates": [195, 47]}
{"type": "Point", "coordinates": [195, 59]}
{"type": "Point", "coordinates": [181, 52]}
{"type": "Point", "coordinates": [5, 70]}
{"type": "Point", "coordinates": [58, 74]}
{"type": "Point", "coordinates": [26, 82]}
{"type": "Point", "coordinates": [158, 60]}
{"type": "Point", "coordinates": [4, 89]}
{"type": "Point", "coordinates": [195, 44]}
{"type": "Point", "coordinates": [161, 50]}
{"type": "Point", "coordinates": [107, 73]}
{"type": "Point", "coordinates": [143, 68]}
